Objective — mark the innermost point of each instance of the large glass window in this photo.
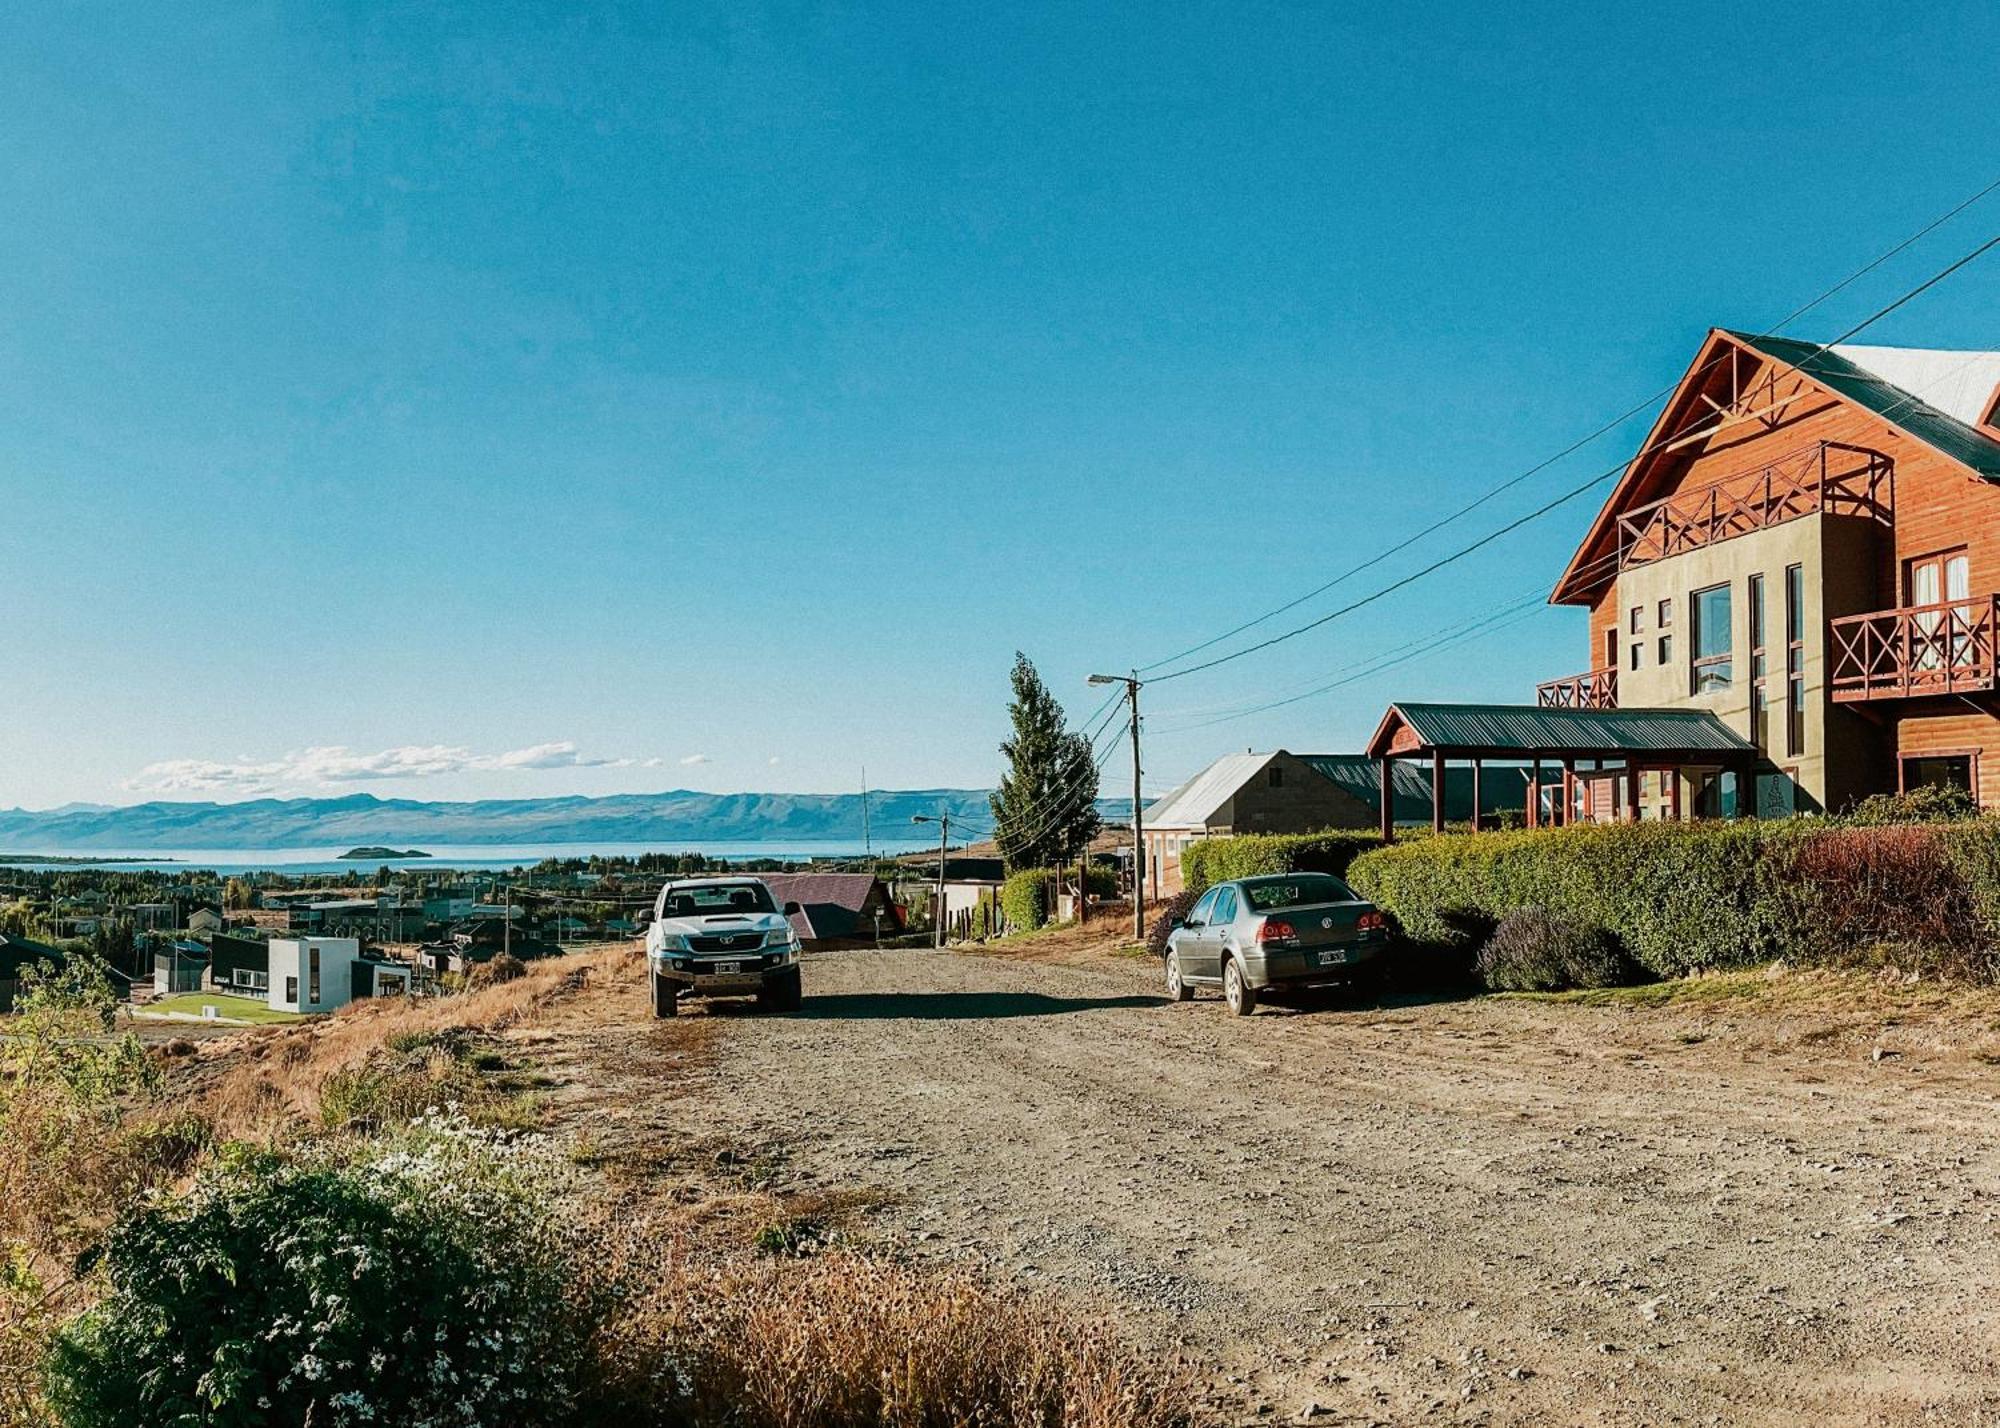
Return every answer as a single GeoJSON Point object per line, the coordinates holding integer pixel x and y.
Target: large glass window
{"type": "Point", "coordinates": [1711, 638]}
{"type": "Point", "coordinates": [1795, 660]}
{"type": "Point", "coordinates": [1759, 704]}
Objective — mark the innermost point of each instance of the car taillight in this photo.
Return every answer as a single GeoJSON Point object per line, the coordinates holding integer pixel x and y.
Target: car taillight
{"type": "Point", "coordinates": [1273, 931]}
{"type": "Point", "coordinates": [1372, 922]}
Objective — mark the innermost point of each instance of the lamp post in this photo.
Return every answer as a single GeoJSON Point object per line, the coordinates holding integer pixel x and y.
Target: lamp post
{"type": "Point", "coordinates": [943, 821]}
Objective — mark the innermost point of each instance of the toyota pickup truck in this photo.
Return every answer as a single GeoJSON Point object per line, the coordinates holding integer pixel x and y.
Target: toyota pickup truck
{"type": "Point", "coordinates": [722, 937]}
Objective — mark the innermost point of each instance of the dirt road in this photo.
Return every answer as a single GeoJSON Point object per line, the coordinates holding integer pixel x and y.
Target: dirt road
{"type": "Point", "coordinates": [1475, 1212]}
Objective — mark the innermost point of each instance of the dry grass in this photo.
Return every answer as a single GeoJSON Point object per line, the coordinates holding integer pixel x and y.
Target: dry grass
{"type": "Point", "coordinates": [838, 1340]}
{"type": "Point", "coordinates": [281, 1077]}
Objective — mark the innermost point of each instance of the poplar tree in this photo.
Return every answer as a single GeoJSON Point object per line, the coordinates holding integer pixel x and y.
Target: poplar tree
{"type": "Point", "coordinates": [1045, 810]}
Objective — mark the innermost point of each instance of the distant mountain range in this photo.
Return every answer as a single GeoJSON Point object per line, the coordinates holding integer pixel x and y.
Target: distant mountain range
{"type": "Point", "coordinates": [680, 820]}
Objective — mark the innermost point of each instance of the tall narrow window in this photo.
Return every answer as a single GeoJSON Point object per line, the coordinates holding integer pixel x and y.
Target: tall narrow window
{"type": "Point", "coordinates": [312, 974]}
{"type": "Point", "coordinates": [1666, 614]}
{"type": "Point", "coordinates": [1713, 668]}
{"type": "Point", "coordinates": [1759, 701]}
{"type": "Point", "coordinates": [1638, 618]}
{"type": "Point", "coordinates": [1795, 660]}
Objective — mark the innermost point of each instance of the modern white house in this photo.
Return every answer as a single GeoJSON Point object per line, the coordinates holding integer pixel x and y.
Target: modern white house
{"type": "Point", "coordinates": [323, 974]}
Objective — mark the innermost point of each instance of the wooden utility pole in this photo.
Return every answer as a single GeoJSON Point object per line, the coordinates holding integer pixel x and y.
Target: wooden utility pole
{"type": "Point", "coordinates": [1131, 682]}
{"type": "Point", "coordinates": [943, 821]}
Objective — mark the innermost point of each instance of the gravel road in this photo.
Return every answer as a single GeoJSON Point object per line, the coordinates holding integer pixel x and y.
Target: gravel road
{"type": "Point", "coordinates": [1463, 1212]}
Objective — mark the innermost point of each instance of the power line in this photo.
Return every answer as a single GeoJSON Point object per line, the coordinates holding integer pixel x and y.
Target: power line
{"type": "Point", "coordinates": [1563, 499]}
{"type": "Point", "coordinates": [1573, 447]}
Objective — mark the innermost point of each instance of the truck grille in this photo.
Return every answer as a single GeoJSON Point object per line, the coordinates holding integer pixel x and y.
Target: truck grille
{"type": "Point", "coordinates": [727, 942]}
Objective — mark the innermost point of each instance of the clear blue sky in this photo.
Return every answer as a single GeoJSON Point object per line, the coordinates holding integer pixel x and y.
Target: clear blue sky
{"type": "Point", "coordinates": [612, 386]}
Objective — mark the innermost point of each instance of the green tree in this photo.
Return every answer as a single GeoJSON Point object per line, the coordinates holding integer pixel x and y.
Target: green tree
{"type": "Point", "coordinates": [236, 895]}
{"type": "Point", "coordinates": [1045, 810]}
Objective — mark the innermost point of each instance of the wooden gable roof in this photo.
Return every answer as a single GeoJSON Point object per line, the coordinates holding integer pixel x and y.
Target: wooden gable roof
{"type": "Point", "coordinates": [1737, 385]}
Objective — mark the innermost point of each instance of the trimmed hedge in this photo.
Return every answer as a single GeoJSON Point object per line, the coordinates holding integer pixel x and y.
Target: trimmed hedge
{"type": "Point", "coordinates": [1217, 860]}
{"type": "Point", "coordinates": [1686, 897]}
{"type": "Point", "coordinates": [1028, 897]}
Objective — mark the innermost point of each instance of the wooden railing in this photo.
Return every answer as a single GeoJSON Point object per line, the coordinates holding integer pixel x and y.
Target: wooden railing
{"type": "Point", "coordinates": [1829, 477]}
{"type": "Point", "coordinates": [1915, 651]}
{"type": "Point", "coordinates": [1596, 689]}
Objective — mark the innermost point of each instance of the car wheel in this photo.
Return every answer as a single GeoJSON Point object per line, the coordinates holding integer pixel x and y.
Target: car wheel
{"type": "Point", "coordinates": [782, 993]}
{"type": "Point", "coordinates": [1177, 989]}
{"type": "Point", "coordinates": [1240, 995]}
{"type": "Point", "coordinates": [666, 997]}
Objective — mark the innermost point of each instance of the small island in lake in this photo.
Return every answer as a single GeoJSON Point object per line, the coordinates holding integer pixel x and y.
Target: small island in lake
{"type": "Point", "coordinates": [373, 855]}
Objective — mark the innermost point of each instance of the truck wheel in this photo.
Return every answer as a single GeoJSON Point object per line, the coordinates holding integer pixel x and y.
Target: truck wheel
{"type": "Point", "coordinates": [1240, 995]}
{"type": "Point", "coordinates": [782, 993]}
{"type": "Point", "coordinates": [666, 996]}
{"type": "Point", "coordinates": [1177, 989]}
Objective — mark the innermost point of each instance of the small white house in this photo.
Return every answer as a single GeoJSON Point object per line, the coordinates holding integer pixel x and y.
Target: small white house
{"type": "Point", "coordinates": [312, 974]}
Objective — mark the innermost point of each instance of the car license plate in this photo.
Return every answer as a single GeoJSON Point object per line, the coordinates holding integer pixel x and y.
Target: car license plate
{"type": "Point", "coordinates": [727, 969]}
{"type": "Point", "coordinates": [1333, 958]}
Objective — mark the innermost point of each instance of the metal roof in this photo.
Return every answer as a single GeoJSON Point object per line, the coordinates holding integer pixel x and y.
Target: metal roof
{"type": "Point", "coordinates": [1194, 802]}
{"type": "Point", "coordinates": [1530, 728]}
{"type": "Point", "coordinates": [1934, 396]}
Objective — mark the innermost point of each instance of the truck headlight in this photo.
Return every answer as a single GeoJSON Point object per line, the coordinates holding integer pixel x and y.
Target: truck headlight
{"type": "Point", "coordinates": [672, 942]}
{"type": "Point", "coordinates": [780, 939]}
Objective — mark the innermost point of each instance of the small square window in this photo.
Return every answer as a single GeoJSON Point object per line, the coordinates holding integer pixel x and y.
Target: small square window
{"type": "Point", "coordinates": [1638, 618]}
{"type": "Point", "coordinates": [1277, 777]}
{"type": "Point", "coordinates": [1666, 613]}
{"type": "Point", "coordinates": [1666, 649]}
{"type": "Point", "coordinates": [1636, 647]}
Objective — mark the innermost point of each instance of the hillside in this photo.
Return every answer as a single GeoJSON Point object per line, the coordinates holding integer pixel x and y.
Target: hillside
{"type": "Point", "coordinates": [681, 817]}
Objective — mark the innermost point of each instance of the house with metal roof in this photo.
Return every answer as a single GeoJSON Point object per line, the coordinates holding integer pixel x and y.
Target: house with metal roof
{"type": "Point", "coordinates": [1806, 547]}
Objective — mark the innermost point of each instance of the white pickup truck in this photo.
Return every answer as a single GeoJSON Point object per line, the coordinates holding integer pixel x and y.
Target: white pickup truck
{"type": "Point", "coordinates": [722, 937]}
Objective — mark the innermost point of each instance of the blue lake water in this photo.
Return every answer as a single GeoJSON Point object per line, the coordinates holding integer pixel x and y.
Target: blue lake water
{"type": "Point", "coordinates": [446, 855]}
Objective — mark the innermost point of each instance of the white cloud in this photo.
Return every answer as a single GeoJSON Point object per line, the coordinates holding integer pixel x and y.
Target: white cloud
{"type": "Point", "coordinates": [692, 759]}
{"type": "Point", "coordinates": [772, 761]}
{"type": "Point", "coordinates": [331, 764]}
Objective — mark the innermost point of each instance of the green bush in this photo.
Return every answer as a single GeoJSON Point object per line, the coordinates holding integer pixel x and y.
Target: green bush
{"type": "Point", "coordinates": [419, 1287]}
{"type": "Point", "coordinates": [1530, 951]}
{"type": "Point", "coordinates": [1024, 899]}
{"type": "Point", "coordinates": [1932, 803]}
{"type": "Point", "coordinates": [1686, 897]}
{"type": "Point", "coordinates": [1217, 860]}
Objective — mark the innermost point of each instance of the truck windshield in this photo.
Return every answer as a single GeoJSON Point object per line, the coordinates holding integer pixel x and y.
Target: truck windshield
{"type": "Point", "coordinates": [718, 900]}
{"type": "Point", "coordinates": [1301, 891]}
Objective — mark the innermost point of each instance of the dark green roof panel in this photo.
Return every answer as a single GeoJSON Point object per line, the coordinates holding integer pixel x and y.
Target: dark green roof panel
{"type": "Point", "coordinates": [1529, 728]}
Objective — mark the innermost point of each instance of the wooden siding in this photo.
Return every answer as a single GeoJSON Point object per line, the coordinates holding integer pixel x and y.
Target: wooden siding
{"type": "Point", "coordinates": [1939, 508]}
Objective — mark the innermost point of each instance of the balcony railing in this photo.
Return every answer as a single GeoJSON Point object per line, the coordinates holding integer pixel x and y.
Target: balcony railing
{"type": "Point", "coordinates": [1829, 477]}
{"type": "Point", "coordinates": [1597, 689]}
{"type": "Point", "coordinates": [1916, 651]}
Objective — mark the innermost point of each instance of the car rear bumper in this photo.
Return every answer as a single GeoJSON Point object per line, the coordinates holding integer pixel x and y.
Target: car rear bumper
{"type": "Point", "coordinates": [1308, 966]}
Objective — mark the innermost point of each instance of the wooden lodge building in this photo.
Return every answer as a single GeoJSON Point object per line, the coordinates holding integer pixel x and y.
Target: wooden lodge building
{"type": "Point", "coordinates": [1794, 597]}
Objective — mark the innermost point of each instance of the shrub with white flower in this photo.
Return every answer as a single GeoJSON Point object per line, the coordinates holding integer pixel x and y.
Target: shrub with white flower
{"type": "Point", "coordinates": [421, 1287]}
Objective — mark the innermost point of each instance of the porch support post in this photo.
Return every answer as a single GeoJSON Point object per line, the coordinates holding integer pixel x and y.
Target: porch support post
{"type": "Point", "coordinates": [1475, 795]}
{"type": "Point", "coordinates": [1631, 791]}
{"type": "Point", "coordinates": [1533, 810]}
{"type": "Point", "coordinates": [1437, 790]}
{"type": "Point", "coordinates": [1387, 800]}
{"type": "Point", "coordinates": [1674, 781]}
{"type": "Point", "coordinates": [1568, 792]}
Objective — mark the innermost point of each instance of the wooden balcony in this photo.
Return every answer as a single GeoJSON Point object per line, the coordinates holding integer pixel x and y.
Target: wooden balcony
{"type": "Point", "coordinates": [1915, 652]}
{"type": "Point", "coordinates": [1827, 478]}
{"type": "Point", "coordinates": [1597, 689]}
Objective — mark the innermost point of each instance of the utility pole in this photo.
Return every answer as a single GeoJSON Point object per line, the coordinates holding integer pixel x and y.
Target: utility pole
{"type": "Point", "coordinates": [943, 821]}
{"type": "Point", "coordinates": [1131, 682]}
{"type": "Point", "coordinates": [507, 925]}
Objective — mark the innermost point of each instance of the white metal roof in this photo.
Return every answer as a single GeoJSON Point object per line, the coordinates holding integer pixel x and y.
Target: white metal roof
{"type": "Point", "coordinates": [1959, 384]}
{"type": "Point", "coordinates": [1194, 802]}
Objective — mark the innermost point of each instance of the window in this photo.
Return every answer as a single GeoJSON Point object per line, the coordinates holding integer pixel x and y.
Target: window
{"type": "Point", "coordinates": [1298, 890]}
{"type": "Point", "coordinates": [1198, 914]}
{"type": "Point", "coordinates": [1638, 618]}
{"type": "Point", "coordinates": [1277, 776]}
{"type": "Point", "coordinates": [1795, 660]}
{"type": "Point", "coordinates": [1611, 648]}
{"type": "Point", "coordinates": [1636, 647]}
{"type": "Point", "coordinates": [1666, 616]}
{"type": "Point", "coordinates": [1666, 650]}
{"type": "Point", "coordinates": [1712, 648]}
{"type": "Point", "coordinates": [1938, 771]}
{"type": "Point", "coordinates": [291, 991]}
{"type": "Point", "coordinates": [1225, 907]}
{"type": "Point", "coordinates": [312, 973]}
{"type": "Point", "coordinates": [1759, 704]}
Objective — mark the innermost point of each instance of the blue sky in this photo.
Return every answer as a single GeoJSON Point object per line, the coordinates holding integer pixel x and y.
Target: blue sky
{"type": "Point", "coordinates": [510, 399]}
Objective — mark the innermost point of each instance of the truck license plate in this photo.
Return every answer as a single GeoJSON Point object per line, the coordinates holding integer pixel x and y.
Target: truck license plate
{"type": "Point", "coordinates": [728, 969]}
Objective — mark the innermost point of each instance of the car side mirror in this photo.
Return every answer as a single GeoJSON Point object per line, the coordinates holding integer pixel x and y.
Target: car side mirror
{"type": "Point", "coordinates": [791, 908]}
{"type": "Point", "coordinates": [1184, 922]}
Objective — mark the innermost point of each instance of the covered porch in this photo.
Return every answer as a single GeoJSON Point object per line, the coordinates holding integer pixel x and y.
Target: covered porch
{"type": "Point", "coordinates": [1576, 765]}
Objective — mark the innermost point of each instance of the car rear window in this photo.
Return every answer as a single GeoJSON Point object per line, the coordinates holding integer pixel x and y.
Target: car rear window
{"type": "Point", "coordinates": [1301, 891]}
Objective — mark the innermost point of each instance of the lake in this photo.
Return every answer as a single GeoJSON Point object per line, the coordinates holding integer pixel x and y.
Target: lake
{"type": "Point", "coordinates": [445, 855]}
